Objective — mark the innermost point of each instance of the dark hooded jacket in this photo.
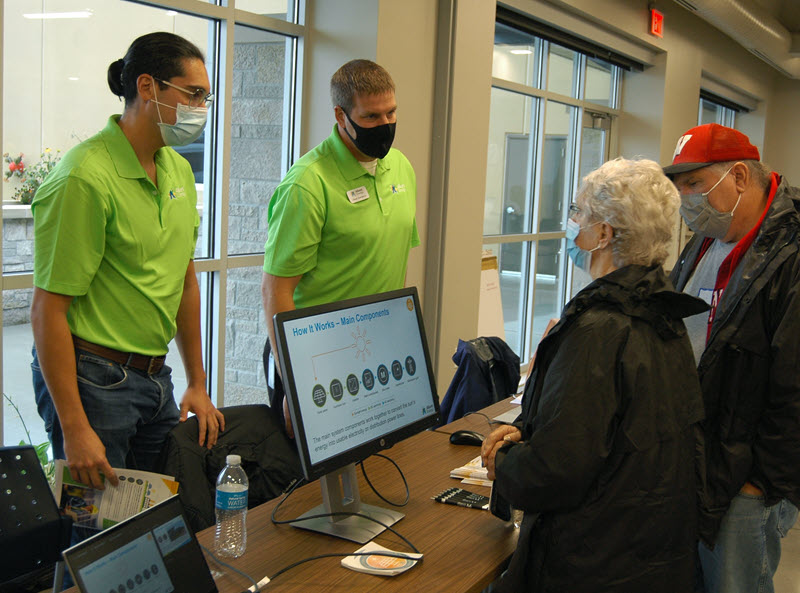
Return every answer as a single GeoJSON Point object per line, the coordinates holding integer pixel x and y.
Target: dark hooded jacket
{"type": "Point", "coordinates": [605, 472]}
{"type": "Point", "coordinates": [749, 370]}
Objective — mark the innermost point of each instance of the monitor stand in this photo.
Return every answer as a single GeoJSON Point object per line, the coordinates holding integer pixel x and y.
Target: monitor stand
{"type": "Point", "coordinates": [340, 495]}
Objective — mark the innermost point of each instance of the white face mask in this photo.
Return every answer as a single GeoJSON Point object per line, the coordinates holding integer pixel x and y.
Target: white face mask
{"type": "Point", "coordinates": [189, 124]}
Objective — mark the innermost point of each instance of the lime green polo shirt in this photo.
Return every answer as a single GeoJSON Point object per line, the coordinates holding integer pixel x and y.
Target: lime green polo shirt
{"type": "Point", "coordinates": [347, 232]}
{"type": "Point", "coordinates": [105, 234]}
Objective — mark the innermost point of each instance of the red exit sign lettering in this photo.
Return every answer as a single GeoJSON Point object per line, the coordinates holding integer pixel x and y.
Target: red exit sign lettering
{"type": "Point", "coordinates": [656, 23]}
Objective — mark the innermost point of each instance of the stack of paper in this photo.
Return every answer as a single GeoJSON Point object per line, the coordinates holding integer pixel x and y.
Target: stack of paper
{"type": "Point", "coordinates": [472, 473]}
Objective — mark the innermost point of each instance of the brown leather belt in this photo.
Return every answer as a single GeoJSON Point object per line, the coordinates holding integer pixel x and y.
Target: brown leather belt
{"type": "Point", "coordinates": [140, 362]}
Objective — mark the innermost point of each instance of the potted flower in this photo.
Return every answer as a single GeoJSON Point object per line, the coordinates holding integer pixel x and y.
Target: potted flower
{"type": "Point", "coordinates": [30, 177]}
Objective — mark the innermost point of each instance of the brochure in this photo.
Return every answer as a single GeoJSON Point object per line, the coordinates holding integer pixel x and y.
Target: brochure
{"type": "Point", "coordinates": [99, 509]}
{"type": "Point", "coordinates": [375, 563]}
{"type": "Point", "coordinates": [472, 473]}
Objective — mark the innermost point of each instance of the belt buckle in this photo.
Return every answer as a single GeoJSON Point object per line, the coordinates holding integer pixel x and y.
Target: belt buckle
{"type": "Point", "coordinates": [151, 365]}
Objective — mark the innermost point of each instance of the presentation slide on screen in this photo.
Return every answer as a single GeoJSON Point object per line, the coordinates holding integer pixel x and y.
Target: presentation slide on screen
{"type": "Point", "coordinates": [135, 566]}
{"type": "Point", "coordinates": [359, 373]}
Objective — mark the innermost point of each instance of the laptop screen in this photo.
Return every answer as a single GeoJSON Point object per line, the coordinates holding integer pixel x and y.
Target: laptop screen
{"type": "Point", "coordinates": [152, 552]}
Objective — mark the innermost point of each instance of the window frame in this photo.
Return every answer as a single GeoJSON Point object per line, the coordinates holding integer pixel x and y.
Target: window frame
{"type": "Point", "coordinates": [607, 118]}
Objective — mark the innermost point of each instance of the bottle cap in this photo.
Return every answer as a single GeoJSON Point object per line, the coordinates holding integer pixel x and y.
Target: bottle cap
{"type": "Point", "coordinates": [233, 460]}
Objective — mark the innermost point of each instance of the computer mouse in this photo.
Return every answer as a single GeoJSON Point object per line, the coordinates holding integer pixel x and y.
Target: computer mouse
{"type": "Point", "coordinates": [467, 437]}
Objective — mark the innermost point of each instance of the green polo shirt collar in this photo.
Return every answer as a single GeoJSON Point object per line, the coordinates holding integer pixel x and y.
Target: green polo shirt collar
{"type": "Point", "coordinates": [120, 150]}
{"type": "Point", "coordinates": [347, 163]}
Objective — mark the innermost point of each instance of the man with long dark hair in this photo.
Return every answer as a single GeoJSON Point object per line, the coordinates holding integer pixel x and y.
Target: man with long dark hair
{"type": "Point", "coordinates": [116, 225]}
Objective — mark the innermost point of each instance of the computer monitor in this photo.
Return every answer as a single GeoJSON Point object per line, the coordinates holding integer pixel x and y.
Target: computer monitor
{"type": "Point", "coordinates": [358, 379]}
{"type": "Point", "coordinates": [153, 551]}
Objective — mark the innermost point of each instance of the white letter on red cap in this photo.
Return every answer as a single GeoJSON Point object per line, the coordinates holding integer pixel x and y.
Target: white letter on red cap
{"type": "Point", "coordinates": [681, 143]}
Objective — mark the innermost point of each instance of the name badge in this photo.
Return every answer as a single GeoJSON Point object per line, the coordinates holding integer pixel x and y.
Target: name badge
{"type": "Point", "coordinates": [358, 194]}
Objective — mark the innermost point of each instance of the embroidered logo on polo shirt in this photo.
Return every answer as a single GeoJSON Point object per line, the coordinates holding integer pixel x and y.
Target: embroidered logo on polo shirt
{"type": "Point", "coordinates": [178, 192]}
{"type": "Point", "coordinates": [396, 189]}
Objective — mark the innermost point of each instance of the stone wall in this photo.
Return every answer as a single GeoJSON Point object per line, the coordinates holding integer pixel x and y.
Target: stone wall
{"type": "Point", "coordinates": [256, 148]}
{"type": "Point", "coordinates": [17, 257]}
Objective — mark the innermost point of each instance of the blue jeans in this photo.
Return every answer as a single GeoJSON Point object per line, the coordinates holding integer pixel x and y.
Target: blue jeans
{"type": "Point", "coordinates": [748, 546]}
{"type": "Point", "coordinates": [131, 412]}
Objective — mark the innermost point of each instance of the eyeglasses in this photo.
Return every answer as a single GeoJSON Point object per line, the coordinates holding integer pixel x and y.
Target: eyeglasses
{"type": "Point", "coordinates": [198, 98]}
{"type": "Point", "coordinates": [574, 209]}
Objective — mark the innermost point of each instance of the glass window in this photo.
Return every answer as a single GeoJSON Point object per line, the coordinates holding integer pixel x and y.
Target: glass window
{"type": "Point", "coordinates": [516, 56]}
{"type": "Point", "coordinates": [562, 70]}
{"type": "Point", "coordinates": [593, 150]}
{"type": "Point", "coordinates": [55, 95]}
{"type": "Point", "coordinates": [599, 82]}
{"type": "Point", "coordinates": [548, 286]}
{"type": "Point", "coordinates": [539, 149]}
{"type": "Point", "coordinates": [54, 99]}
{"type": "Point", "coordinates": [509, 179]}
{"type": "Point", "coordinates": [257, 122]}
{"type": "Point", "coordinates": [245, 336]}
{"type": "Point", "coordinates": [714, 113]}
{"type": "Point", "coordinates": [17, 385]}
{"type": "Point", "coordinates": [277, 9]}
{"type": "Point", "coordinates": [513, 264]}
{"type": "Point", "coordinates": [558, 158]}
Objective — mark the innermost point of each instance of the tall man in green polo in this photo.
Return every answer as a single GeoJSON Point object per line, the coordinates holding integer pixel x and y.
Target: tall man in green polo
{"type": "Point", "coordinates": [342, 221]}
{"type": "Point", "coordinates": [114, 281]}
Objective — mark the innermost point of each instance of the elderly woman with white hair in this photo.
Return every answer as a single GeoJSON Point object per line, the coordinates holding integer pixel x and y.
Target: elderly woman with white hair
{"type": "Point", "coordinates": [601, 459]}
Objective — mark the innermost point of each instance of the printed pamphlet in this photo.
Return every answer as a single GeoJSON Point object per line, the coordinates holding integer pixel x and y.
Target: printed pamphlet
{"type": "Point", "coordinates": [376, 563]}
{"type": "Point", "coordinates": [472, 473]}
{"type": "Point", "coordinates": [99, 509]}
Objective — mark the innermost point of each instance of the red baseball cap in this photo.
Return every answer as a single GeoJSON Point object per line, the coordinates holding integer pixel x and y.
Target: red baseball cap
{"type": "Point", "coordinates": [710, 143]}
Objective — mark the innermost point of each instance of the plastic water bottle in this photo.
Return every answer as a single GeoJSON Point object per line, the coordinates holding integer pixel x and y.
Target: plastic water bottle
{"type": "Point", "coordinates": [231, 507]}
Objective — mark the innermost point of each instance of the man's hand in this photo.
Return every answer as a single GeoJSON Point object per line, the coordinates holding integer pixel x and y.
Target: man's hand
{"type": "Point", "coordinates": [210, 421]}
{"type": "Point", "coordinates": [492, 444]}
{"type": "Point", "coordinates": [86, 458]}
{"type": "Point", "coordinates": [287, 419]}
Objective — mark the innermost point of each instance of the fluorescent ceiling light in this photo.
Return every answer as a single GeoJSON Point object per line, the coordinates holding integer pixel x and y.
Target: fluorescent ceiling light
{"type": "Point", "coordinates": [521, 51]}
{"type": "Point", "coordinates": [171, 13]}
{"type": "Point", "coordinates": [73, 78]}
{"type": "Point", "coordinates": [82, 14]}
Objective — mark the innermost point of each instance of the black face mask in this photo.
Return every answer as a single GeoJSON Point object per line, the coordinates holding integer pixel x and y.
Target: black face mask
{"type": "Point", "coordinates": [374, 142]}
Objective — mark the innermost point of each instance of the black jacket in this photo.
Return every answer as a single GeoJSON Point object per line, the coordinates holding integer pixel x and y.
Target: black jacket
{"type": "Point", "coordinates": [606, 470]}
{"type": "Point", "coordinates": [269, 459]}
{"type": "Point", "coordinates": [488, 371]}
{"type": "Point", "coordinates": [749, 370]}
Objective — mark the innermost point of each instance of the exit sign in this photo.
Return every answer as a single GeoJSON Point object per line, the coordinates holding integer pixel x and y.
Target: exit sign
{"type": "Point", "coordinates": [656, 23]}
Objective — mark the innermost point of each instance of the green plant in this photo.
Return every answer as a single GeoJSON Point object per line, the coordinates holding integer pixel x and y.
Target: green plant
{"type": "Point", "coordinates": [31, 177]}
{"type": "Point", "coordinates": [48, 466]}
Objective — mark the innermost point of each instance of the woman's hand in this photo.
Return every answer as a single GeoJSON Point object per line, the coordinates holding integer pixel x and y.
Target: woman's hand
{"type": "Point", "coordinates": [497, 439]}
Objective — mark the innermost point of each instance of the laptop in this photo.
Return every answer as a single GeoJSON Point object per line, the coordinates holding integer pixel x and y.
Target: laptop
{"type": "Point", "coordinates": [154, 551]}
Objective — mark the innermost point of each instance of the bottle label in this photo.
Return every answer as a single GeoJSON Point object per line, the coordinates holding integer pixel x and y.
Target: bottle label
{"type": "Point", "coordinates": [231, 501]}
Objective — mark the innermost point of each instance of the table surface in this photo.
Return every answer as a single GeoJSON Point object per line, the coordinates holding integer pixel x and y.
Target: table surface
{"type": "Point", "coordinates": [463, 548]}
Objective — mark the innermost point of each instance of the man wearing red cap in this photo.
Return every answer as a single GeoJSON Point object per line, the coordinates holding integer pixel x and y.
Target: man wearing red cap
{"type": "Point", "coordinates": [744, 262]}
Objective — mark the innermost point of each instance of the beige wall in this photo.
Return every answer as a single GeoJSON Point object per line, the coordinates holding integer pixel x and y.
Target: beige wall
{"type": "Point", "coordinates": [782, 138]}
{"type": "Point", "coordinates": [659, 104]}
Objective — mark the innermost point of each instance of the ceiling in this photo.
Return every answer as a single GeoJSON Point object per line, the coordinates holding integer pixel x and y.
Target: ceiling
{"type": "Point", "coordinates": [787, 12]}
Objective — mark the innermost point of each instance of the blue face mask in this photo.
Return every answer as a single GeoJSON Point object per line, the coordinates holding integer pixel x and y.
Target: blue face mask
{"type": "Point", "coordinates": [188, 126]}
{"type": "Point", "coordinates": [580, 257]}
